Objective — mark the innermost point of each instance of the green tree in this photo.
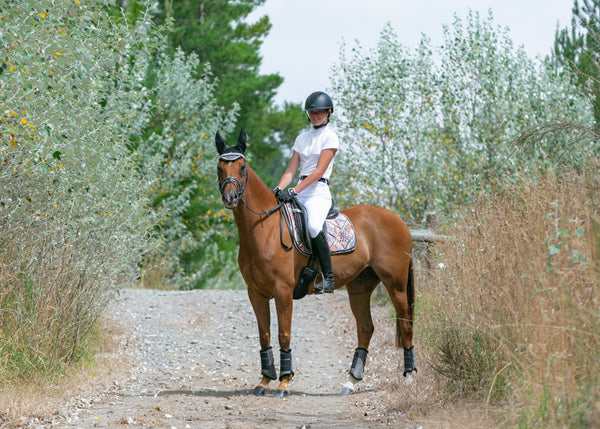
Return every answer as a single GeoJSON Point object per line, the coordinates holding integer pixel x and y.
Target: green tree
{"type": "Point", "coordinates": [185, 115]}
{"type": "Point", "coordinates": [285, 122]}
{"type": "Point", "coordinates": [218, 33]}
{"type": "Point", "coordinates": [577, 48]}
{"type": "Point", "coordinates": [178, 144]}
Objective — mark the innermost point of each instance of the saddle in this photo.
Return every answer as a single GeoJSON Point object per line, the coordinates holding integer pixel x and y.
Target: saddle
{"type": "Point", "coordinates": [339, 229]}
{"type": "Point", "coordinates": [340, 237]}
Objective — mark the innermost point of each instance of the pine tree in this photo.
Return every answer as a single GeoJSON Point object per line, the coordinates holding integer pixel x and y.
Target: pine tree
{"type": "Point", "coordinates": [219, 33]}
{"type": "Point", "coordinates": [578, 48]}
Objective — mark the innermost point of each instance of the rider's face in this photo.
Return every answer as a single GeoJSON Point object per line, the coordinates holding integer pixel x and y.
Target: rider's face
{"type": "Point", "coordinates": [317, 117]}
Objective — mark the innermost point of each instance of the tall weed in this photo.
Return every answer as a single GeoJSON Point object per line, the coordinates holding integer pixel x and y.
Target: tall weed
{"type": "Point", "coordinates": [50, 299]}
{"type": "Point", "coordinates": [517, 300]}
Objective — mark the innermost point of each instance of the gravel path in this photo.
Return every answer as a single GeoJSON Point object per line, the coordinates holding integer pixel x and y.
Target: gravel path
{"type": "Point", "coordinates": [194, 360]}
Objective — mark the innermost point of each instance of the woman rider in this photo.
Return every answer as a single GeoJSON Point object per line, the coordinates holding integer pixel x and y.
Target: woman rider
{"type": "Point", "coordinates": [313, 152]}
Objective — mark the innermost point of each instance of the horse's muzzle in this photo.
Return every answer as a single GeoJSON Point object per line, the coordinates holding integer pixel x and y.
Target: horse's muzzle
{"type": "Point", "coordinates": [230, 199]}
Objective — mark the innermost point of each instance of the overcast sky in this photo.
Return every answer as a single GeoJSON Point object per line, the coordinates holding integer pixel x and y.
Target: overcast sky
{"type": "Point", "coordinates": [304, 41]}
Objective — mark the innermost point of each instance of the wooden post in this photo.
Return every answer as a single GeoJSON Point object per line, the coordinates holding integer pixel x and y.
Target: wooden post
{"type": "Point", "coordinates": [431, 223]}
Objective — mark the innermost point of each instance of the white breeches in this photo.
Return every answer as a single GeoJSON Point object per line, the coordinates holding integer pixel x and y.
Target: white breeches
{"type": "Point", "coordinates": [317, 201]}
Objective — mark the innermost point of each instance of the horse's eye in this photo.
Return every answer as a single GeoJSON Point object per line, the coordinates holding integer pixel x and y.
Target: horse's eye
{"type": "Point", "coordinates": [243, 168]}
{"type": "Point", "coordinates": [219, 170]}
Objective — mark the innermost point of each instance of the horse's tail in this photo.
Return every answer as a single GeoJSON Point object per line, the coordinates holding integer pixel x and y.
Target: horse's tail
{"type": "Point", "coordinates": [410, 291]}
{"type": "Point", "coordinates": [410, 297]}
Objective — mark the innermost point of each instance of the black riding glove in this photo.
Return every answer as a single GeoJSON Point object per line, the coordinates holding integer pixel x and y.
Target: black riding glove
{"type": "Point", "coordinates": [286, 196]}
{"type": "Point", "coordinates": [277, 191]}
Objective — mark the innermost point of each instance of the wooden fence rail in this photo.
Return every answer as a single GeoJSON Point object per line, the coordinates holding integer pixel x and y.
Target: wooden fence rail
{"type": "Point", "coordinates": [424, 236]}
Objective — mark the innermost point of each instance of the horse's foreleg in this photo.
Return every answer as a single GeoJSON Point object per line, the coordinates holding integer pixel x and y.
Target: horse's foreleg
{"type": "Point", "coordinates": [262, 312]}
{"type": "Point", "coordinates": [286, 373]}
{"type": "Point", "coordinates": [284, 306]}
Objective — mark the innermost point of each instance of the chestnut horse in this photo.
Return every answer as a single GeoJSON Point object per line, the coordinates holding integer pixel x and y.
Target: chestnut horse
{"type": "Point", "coordinates": [270, 269]}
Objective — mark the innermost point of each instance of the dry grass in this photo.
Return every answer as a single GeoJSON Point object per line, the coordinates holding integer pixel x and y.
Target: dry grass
{"type": "Point", "coordinates": [424, 400]}
{"type": "Point", "coordinates": [39, 401]}
{"type": "Point", "coordinates": [50, 299]}
{"type": "Point", "coordinates": [513, 312]}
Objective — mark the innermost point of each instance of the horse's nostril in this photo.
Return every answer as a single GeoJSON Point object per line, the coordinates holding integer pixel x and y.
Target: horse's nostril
{"type": "Point", "coordinates": [229, 199]}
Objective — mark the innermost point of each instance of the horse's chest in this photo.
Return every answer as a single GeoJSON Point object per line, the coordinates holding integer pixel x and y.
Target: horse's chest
{"type": "Point", "coordinates": [256, 264]}
{"type": "Point", "coordinates": [262, 268]}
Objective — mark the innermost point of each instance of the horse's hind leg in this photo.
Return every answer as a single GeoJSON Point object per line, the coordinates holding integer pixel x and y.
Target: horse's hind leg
{"type": "Point", "coordinates": [359, 294]}
{"type": "Point", "coordinates": [401, 291]}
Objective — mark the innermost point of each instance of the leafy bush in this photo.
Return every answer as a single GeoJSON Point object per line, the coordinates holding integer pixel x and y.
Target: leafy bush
{"type": "Point", "coordinates": [178, 145]}
{"type": "Point", "coordinates": [424, 130]}
{"type": "Point", "coordinates": [503, 149]}
{"type": "Point", "coordinates": [74, 210]}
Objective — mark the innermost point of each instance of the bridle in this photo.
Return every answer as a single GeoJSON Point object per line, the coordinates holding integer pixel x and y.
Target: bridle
{"type": "Point", "coordinates": [239, 187]}
{"type": "Point", "coordinates": [239, 191]}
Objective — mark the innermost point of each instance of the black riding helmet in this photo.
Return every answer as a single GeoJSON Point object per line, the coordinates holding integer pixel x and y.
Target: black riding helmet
{"type": "Point", "coordinates": [318, 100]}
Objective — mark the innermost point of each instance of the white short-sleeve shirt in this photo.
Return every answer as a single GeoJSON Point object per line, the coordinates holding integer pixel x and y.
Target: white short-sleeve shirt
{"type": "Point", "coordinates": [309, 145]}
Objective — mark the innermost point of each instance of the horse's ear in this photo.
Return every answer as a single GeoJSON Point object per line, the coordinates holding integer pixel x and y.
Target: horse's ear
{"type": "Point", "coordinates": [221, 146]}
{"type": "Point", "coordinates": [242, 142]}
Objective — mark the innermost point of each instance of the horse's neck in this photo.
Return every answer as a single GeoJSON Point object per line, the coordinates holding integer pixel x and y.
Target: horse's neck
{"type": "Point", "coordinates": [259, 198]}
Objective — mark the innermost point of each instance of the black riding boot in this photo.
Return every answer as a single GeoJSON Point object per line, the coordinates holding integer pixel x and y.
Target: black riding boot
{"type": "Point", "coordinates": [320, 248]}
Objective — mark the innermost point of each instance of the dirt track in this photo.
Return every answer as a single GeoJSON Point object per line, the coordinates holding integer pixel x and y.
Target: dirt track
{"type": "Point", "coordinates": [194, 360]}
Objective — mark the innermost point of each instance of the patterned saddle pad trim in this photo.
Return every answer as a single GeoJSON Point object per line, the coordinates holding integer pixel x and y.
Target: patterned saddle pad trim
{"type": "Point", "coordinates": [340, 233]}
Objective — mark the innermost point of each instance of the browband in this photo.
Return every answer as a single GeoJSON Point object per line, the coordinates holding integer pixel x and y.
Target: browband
{"type": "Point", "coordinates": [231, 156]}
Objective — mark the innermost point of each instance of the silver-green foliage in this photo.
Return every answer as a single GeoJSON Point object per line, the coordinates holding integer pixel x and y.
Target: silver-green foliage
{"type": "Point", "coordinates": [71, 97]}
{"type": "Point", "coordinates": [424, 129]}
{"type": "Point", "coordinates": [74, 207]}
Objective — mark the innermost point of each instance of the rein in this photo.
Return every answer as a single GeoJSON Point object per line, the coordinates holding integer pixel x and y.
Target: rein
{"type": "Point", "coordinates": [269, 213]}
{"type": "Point", "coordinates": [263, 212]}
{"type": "Point", "coordinates": [239, 191]}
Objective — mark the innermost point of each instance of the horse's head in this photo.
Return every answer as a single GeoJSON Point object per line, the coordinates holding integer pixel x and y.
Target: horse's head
{"type": "Point", "coordinates": [232, 169]}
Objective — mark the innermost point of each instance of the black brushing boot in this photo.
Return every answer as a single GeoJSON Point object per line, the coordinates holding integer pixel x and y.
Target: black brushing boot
{"type": "Point", "coordinates": [320, 248]}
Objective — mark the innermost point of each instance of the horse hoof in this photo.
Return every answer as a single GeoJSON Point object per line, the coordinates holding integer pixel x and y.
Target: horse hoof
{"type": "Point", "coordinates": [259, 391]}
{"type": "Point", "coordinates": [345, 391]}
{"type": "Point", "coordinates": [280, 393]}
